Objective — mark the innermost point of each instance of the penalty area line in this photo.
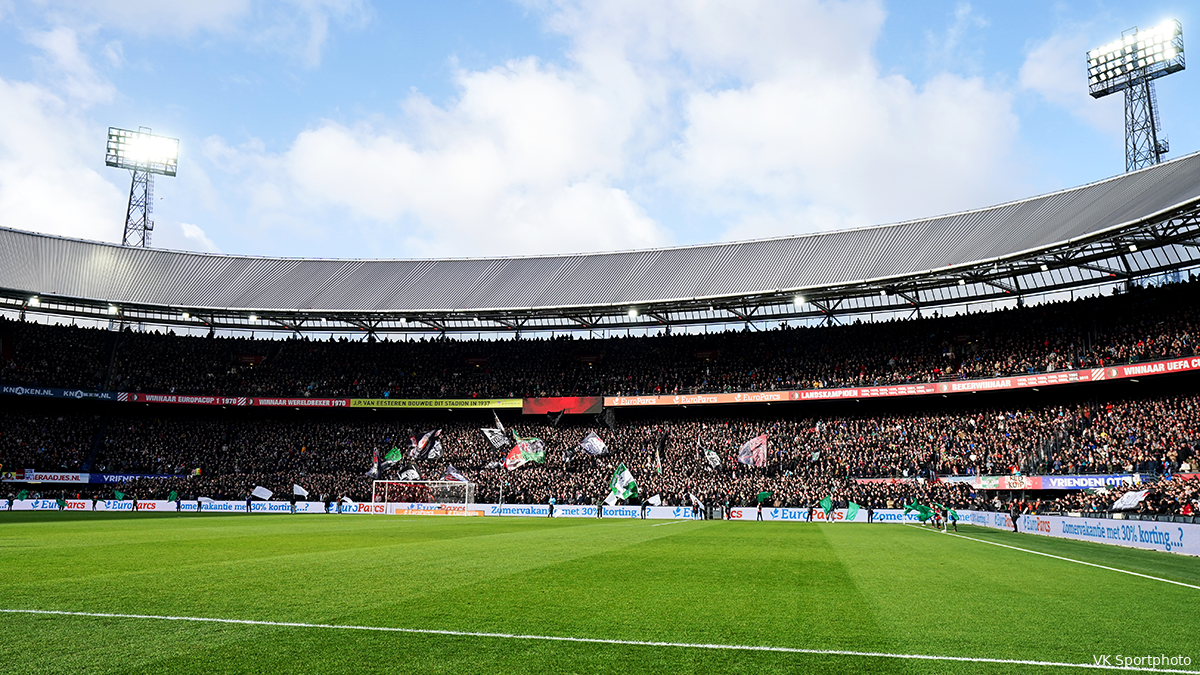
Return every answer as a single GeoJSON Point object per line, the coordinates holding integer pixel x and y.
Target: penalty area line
{"type": "Point", "coordinates": [673, 522]}
{"type": "Point", "coordinates": [632, 643]}
{"type": "Point", "coordinates": [1059, 557]}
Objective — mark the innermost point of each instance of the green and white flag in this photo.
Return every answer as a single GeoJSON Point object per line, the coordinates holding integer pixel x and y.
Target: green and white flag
{"type": "Point", "coordinates": [23, 494]}
{"type": "Point", "coordinates": [623, 485]}
{"type": "Point", "coordinates": [764, 496]}
{"type": "Point", "coordinates": [852, 511]}
{"type": "Point", "coordinates": [173, 496]}
{"type": "Point", "coordinates": [827, 504]}
{"type": "Point", "coordinates": [62, 503]}
{"type": "Point", "coordinates": [119, 495]}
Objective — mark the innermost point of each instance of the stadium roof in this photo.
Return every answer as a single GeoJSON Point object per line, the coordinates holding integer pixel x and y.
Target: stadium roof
{"type": "Point", "coordinates": [1131, 225]}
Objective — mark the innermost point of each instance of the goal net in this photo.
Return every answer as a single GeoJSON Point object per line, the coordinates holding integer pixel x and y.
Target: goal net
{"type": "Point", "coordinates": [424, 491]}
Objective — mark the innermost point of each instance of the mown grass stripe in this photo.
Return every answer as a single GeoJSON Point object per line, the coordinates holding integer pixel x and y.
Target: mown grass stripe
{"type": "Point", "coordinates": [631, 643]}
{"type": "Point", "coordinates": [1059, 557]}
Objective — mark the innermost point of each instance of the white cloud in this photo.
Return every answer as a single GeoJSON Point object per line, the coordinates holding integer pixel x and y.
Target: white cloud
{"type": "Point", "coordinates": [198, 239]}
{"type": "Point", "coordinates": [46, 183]}
{"type": "Point", "coordinates": [953, 49]}
{"type": "Point", "coordinates": [772, 118]}
{"type": "Point", "coordinates": [524, 160]}
{"type": "Point", "coordinates": [1055, 69]}
{"type": "Point", "coordinates": [298, 28]}
{"type": "Point", "coordinates": [787, 125]}
{"type": "Point", "coordinates": [69, 67]}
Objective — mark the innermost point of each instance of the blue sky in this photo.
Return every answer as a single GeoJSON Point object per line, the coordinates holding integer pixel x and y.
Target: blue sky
{"type": "Point", "coordinates": [344, 128]}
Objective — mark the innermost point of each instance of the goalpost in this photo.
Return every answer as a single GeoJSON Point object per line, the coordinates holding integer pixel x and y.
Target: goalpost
{"type": "Point", "coordinates": [424, 491]}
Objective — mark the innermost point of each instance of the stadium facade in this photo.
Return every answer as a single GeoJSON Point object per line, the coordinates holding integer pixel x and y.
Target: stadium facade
{"type": "Point", "coordinates": [1112, 231]}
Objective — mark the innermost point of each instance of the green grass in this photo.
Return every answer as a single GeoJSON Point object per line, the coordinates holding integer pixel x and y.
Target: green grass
{"type": "Point", "coordinates": [880, 588]}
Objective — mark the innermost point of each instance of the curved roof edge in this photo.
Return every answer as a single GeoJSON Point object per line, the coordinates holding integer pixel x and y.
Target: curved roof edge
{"type": "Point", "coordinates": [46, 265]}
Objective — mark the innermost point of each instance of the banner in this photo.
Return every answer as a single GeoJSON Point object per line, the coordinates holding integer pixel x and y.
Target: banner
{"type": "Point", "coordinates": [435, 403]}
{"type": "Point", "coordinates": [104, 478]}
{"type": "Point", "coordinates": [270, 507]}
{"type": "Point", "coordinates": [185, 399]}
{"type": "Point", "coordinates": [114, 505]}
{"type": "Point", "coordinates": [622, 511]}
{"type": "Point", "coordinates": [1182, 538]}
{"type": "Point", "coordinates": [32, 476]}
{"type": "Point", "coordinates": [54, 392]}
{"type": "Point", "coordinates": [571, 405]}
{"type": "Point", "coordinates": [413, 508]}
{"type": "Point", "coordinates": [1053, 482]}
{"type": "Point", "coordinates": [311, 507]}
{"type": "Point", "coordinates": [798, 515]}
{"type": "Point", "coordinates": [1085, 482]}
{"type": "Point", "coordinates": [535, 510]}
{"type": "Point", "coordinates": [668, 513]}
{"type": "Point", "coordinates": [952, 387]}
{"type": "Point", "coordinates": [574, 511]}
{"type": "Point", "coordinates": [189, 505]}
{"type": "Point", "coordinates": [34, 505]}
{"type": "Point", "coordinates": [154, 505]}
{"type": "Point", "coordinates": [1008, 482]}
{"type": "Point", "coordinates": [210, 506]}
{"type": "Point", "coordinates": [4, 504]}
{"type": "Point", "coordinates": [362, 507]}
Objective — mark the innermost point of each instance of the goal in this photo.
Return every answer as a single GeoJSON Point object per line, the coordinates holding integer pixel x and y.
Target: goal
{"type": "Point", "coordinates": [424, 491]}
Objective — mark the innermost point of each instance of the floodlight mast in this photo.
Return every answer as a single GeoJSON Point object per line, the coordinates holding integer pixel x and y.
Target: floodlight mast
{"type": "Point", "coordinates": [1131, 64]}
{"type": "Point", "coordinates": [144, 154]}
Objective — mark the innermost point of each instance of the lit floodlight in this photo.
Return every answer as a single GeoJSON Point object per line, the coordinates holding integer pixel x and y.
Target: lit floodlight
{"type": "Point", "coordinates": [799, 299]}
{"type": "Point", "coordinates": [186, 315]}
{"type": "Point", "coordinates": [1133, 248]}
{"type": "Point", "coordinates": [144, 154]}
{"type": "Point", "coordinates": [253, 318]}
{"type": "Point", "coordinates": [1130, 65]}
{"type": "Point", "coordinates": [35, 302]}
{"type": "Point", "coordinates": [142, 151]}
{"type": "Point", "coordinates": [112, 310]}
{"type": "Point", "coordinates": [633, 312]}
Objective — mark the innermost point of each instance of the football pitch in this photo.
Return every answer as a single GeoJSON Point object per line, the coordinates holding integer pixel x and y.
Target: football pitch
{"type": "Point", "coordinates": [134, 593]}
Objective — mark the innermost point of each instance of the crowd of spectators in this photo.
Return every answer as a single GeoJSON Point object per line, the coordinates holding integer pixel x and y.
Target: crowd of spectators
{"type": "Point", "coordinates": [45, 442]}
{"type": "Point", "coordinates": [1142, 324]}
{"type": "Point", "coordinates": [807, 457]}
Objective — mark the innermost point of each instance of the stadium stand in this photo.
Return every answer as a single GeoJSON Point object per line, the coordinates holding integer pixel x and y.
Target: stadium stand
{"type": "Point", "coordinates": [1140, 325]}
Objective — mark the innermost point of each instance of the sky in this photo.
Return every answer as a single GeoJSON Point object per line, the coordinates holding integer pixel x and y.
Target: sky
{"type": "Point", "coordinates": [346, 128]}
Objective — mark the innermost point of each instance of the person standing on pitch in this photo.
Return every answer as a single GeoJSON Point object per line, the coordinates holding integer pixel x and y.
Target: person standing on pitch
{"type": "Point", "coordinates": [759, 511]}
{"type": "Point", "coordinates": [1014, 514]}
{"type": "Point", "coordinates": [550, 511]}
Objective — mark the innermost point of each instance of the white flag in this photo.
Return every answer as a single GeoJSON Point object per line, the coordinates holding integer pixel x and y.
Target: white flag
{"type": "Point", "coordinates": [347, 500]}
{"type": "Point", "coordinates": [610, 499]}
{"type": "Point", "coordinates": [297, 490]}
{"type": "Point", "coordinates": [592, 445]}
{"type": "Point", "coordinates": [496, 437]}
{"type": "Point", "coordinates": [655, 500]}
{"type": "Point", "coordinates": [1129, 500]}
{"type": "Point", "coordinates": [204, 499]}
{"type": "Point", "coordinates": [261, 492]}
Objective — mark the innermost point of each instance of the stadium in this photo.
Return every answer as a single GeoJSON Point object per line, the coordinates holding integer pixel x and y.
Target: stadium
{"type": "Point", "coordinates": [964, 443]}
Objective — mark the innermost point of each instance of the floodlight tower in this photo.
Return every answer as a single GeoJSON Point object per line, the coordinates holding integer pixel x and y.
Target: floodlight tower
{"type": "Point", "coordinates": [1131, 64]}
{"type": "Point", "coordinates": [144, 154]}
